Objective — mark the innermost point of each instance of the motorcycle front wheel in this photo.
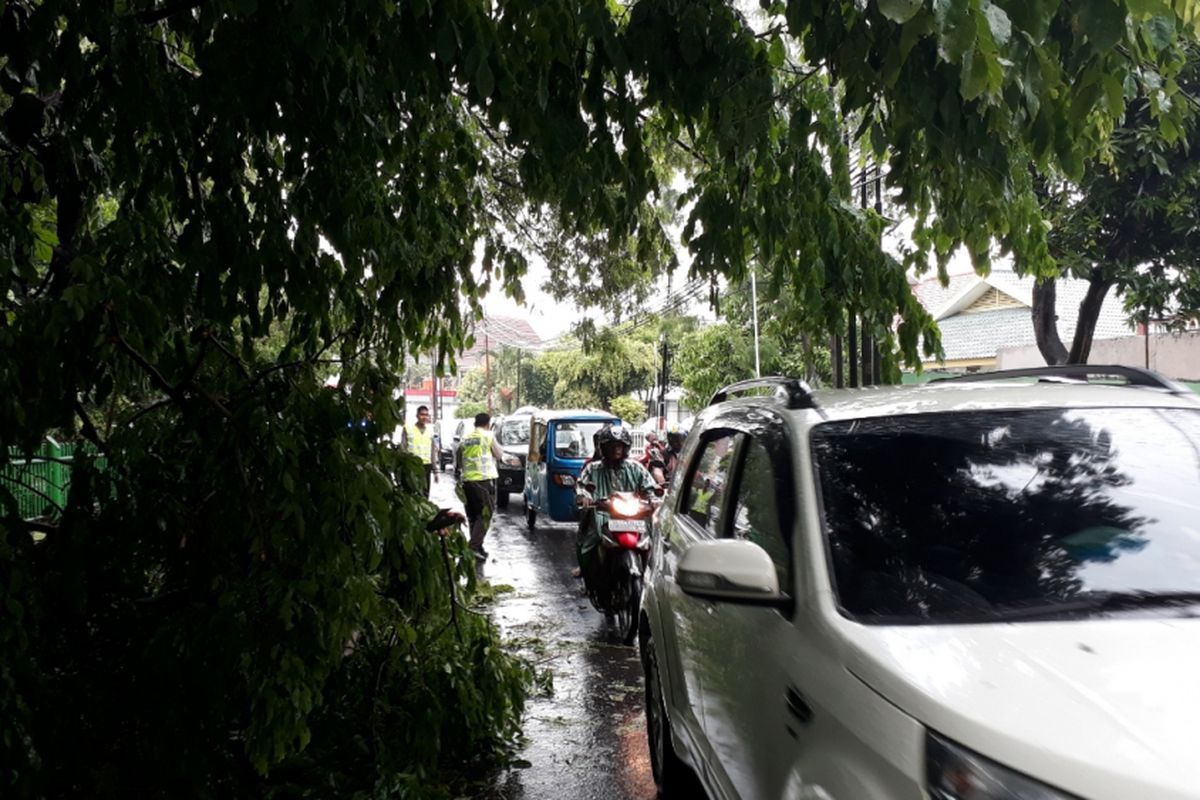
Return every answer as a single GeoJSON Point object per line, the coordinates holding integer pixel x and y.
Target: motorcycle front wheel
{"type": "Point", "coordinates": [628, 608]}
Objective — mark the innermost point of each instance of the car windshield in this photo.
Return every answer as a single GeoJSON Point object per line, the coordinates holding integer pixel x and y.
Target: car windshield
{"type": "Point", "coordinates": [514, 432]}
{"type": "Point", "coordinates": [574, 439]}
{"type": "Point", "coordinates": [978, 516]}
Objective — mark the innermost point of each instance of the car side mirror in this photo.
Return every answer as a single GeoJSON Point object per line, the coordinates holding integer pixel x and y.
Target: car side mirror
{"type": "Point", "coordinates": [731, 570]}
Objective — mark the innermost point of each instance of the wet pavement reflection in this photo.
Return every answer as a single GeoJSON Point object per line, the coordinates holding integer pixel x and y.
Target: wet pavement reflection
{"type": "Point", "coordinates": [586, 735]}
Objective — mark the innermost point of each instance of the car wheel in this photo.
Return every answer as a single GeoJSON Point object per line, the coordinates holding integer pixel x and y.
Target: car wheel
{"type": "Point", "coordinates": [670, 773]}
{"type": "Point", "coordinates": [502, 499]}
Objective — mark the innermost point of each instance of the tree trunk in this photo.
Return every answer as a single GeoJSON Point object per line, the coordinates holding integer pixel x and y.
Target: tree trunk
{"type": "Point", "coordinates": [1089, 313]}
{"type": "Point", "coordinates": [1045, 319]}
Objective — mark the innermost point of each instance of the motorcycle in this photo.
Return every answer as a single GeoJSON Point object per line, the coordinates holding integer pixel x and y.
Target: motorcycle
{"type": "Point", "coordinates": [622, 521]}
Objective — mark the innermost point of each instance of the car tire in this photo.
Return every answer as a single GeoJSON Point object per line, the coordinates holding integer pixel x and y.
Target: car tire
{"type": "Point", "coordinates": [670, 773]}
{"type": "Point", "coordinates": [501, 499]}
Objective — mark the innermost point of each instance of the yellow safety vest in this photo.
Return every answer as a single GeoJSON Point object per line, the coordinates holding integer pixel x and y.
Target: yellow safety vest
{"type": "Point", "coordinates": [477, 461]}
{"type": "Point", "coordinates": [420, 443]}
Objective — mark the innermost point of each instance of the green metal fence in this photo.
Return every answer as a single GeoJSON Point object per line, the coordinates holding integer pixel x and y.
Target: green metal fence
{"type": "Point", "coordinates": [40, 483]}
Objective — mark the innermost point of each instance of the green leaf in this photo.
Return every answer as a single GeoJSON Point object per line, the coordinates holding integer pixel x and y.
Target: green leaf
{"type": "Point", "coordinates": [776, 53]}
{"type": "Point", "coordinates": [1158, 32]}
{"type": "Point", "coordinates": [957, 37]}
{"type": "Point", "coordinates": [999, 23]}
{"type": "Point", "coordinates": [690, 46]}
{"type": "Point", "coordinates": [1114, 95]}
{"type": "Point", "coordinates": [1102, 21]}
{"type": "Point", "coordinates": [1139, 9]}
{"type": "Point", "coordinates": [899, 10]}
{"type": "Point", "coordinates": [912, 32]}
{"type": "Point", "coordinates": [974, 76]}
{"type": "Point", "coordinates": [447, 42]}
{"type": "Point", "coordinates": [485, 82]}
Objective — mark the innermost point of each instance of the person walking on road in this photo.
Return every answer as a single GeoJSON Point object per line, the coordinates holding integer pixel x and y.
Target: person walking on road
{"type": "Point", "coordinates": [417, 439]}
{"type": "Point", "coordinates": [475, 464]}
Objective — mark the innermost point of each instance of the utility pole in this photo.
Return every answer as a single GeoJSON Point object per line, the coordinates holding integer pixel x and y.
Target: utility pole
{"type": "Point", "coordinates": [754, 315]}
{"type": "Point", "coordinates": [852, 350]}
{"type": "Point", "coordinates": [835, 348]}
{"type": "Point", "coordinates": [877, 357]}
{"type": "Point", "coordinates": [518, 402]}
{"type": "Point", "coordinates": [867, 343]}
{"type": "Point", "coordinates": [434, 394]}
{"type": "Point", "coordinates": [665, 377]}
{"type": "Point", "coordinates": [487, 367]}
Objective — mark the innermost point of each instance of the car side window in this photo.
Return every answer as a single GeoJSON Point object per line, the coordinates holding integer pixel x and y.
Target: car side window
{"type": "Point", "coordinates": [757, 516]}
{"type": "Point", "coordinates": [708, 481]}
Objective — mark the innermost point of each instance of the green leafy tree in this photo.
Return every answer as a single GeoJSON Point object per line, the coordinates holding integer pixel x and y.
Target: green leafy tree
{"type": "Point", "coordinates": [469, 409]}
{"type": "Point", "coordinates": [713, 357]}
{"type": "Point", "coordinates": [1132, 221]}
{"type": "Point", "coordinates": [244, 598]}
{"type": "Point", "coordinates": [629, 409]}
{"type": "Point", "coordinates": [537, 382]}
{"type": "Point", "coordinates": [607, 367]}
{"type": "Point", "coordinates": [789, 343]}
{"type": "Point", "coordinates": [472, 387]}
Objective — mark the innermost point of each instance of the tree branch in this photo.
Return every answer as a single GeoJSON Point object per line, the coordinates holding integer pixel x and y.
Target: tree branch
{"type": "Point", "coordinates": [154, 15]}
{"type": "Point", "coordinates": [156, 377]}
{"type": "Point", "coordinates": [1045, 322]}
{"type": "Point", "coordinates": [173, 392]}
{"type": "Point", "coordinates": [166, 401]}
{"type": "Point", "coordinates": [241, 365]}
{"type": "Point", "coordinates": [89, 428]}
{"type": "Point", "coordinates": [1089, 313]}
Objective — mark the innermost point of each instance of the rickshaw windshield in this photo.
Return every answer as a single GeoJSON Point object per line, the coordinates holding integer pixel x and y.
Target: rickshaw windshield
{"type": "Point", "coordinates": [574, 439]}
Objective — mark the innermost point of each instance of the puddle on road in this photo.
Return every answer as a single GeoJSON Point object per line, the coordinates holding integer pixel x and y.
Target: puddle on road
{"type": "Point", "coordinates": [585, 733]}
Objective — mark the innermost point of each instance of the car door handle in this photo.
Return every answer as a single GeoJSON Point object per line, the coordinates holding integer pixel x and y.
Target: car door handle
{"type": "Point", "coordinates": [798, 707]}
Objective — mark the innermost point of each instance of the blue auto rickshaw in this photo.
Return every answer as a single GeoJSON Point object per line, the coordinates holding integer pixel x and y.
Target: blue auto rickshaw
{"type": "Point", "coordinates": [559, 444]}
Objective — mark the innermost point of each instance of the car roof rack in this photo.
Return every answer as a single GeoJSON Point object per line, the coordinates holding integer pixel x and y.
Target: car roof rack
{"type": "Point", "coordinates": [794, 392]}
{"type": "Point", "coordinates": [1134, 376]}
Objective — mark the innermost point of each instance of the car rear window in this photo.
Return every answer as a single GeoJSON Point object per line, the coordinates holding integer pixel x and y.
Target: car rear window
{"type": "Point", "coordinates": [964, 516]}
{"type": "Point", "coordinates": [514, 432]}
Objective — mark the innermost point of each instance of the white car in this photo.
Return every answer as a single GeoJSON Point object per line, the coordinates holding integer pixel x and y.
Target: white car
{"type": "Point", "coordinates": [970, 590]}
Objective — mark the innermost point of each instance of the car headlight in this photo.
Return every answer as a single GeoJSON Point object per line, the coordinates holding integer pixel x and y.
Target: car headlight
{"type": "Point", "coordinates": [512, 461]}
{"type": "Point", "coordinates": [955, 773]}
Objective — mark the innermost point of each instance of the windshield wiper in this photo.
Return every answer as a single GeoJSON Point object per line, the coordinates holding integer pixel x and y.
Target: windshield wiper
{"type": "Point", "coordinates": [1100, 601]}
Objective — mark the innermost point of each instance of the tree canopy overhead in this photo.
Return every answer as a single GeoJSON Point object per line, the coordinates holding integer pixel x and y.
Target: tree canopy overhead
{"type": "Point", "coordinates": [181, 180]}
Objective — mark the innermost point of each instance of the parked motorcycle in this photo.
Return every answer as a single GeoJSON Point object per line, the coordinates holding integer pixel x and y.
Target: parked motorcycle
{"type": "Point", "coordinates": [613, 576]}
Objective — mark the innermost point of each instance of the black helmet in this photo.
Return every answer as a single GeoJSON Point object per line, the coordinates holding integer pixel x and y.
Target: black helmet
{"type": "Point", "coordinates": [611, 435]}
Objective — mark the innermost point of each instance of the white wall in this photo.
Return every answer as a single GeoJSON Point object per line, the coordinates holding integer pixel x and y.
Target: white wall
{"type": "Point", "coordinates": [1174, 355]}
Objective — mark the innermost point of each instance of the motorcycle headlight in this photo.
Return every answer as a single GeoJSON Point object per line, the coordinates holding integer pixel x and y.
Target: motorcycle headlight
{"type": "Point", "coordinates": [626, 506]}
{"type": "Point", "coordinates": [955, 773]}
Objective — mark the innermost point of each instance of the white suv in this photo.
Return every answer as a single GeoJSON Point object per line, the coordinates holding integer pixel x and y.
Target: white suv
{"type": "Point", "coordinates": [974, 589]}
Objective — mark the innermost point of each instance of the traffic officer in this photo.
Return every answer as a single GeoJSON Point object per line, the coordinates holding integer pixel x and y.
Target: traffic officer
{"type": "Point", "coordinates": [475, 464]}
{"type": "Point", "coordinates": [417, 439]}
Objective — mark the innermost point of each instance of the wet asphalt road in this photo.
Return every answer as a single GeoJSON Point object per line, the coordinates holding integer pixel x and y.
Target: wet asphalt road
{"type": "Point", "coordinates": [586, 735]}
